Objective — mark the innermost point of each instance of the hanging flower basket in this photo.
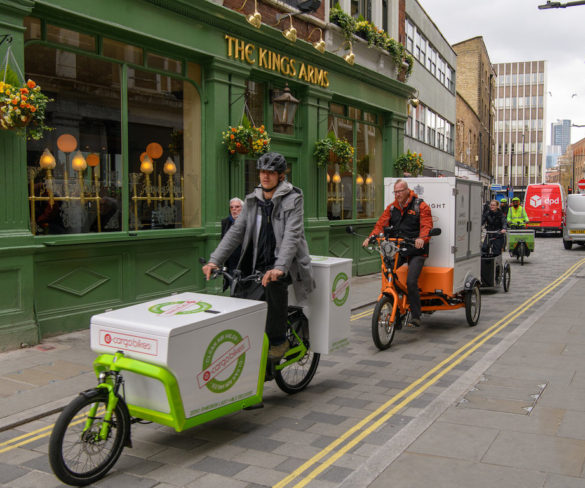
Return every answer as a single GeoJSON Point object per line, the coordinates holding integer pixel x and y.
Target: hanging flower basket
{"type": "Point", "coordinates": [334, 150]}
{"type": "Point", "coordinates": [246, 139]}
{"type": "Point", "coordinates": [409, 164]}
{"type": "Point", "coordinates": [22, 109]}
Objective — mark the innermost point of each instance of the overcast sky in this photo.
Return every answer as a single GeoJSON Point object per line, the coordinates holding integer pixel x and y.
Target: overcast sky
{"type": "Point", "coordinates": [516, 30]}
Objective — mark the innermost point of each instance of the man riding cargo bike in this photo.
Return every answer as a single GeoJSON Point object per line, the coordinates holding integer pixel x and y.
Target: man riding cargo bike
{"type": "Point", "coordinates": [520, 239]}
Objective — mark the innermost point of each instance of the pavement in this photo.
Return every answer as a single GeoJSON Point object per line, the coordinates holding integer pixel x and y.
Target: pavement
{"type": "Point", "coordinates": [515, 417]}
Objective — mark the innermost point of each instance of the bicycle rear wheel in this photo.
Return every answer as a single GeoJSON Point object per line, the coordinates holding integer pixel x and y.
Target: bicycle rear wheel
{"type": "Point", "coordinates": [382, 329]}
{"type": "Point", "coordinates": [296, 376]}
{"type": "Point", "coordinates": [507, 276]}
{"type": "Point", "coordinates": [76, 453]}
{"type": "Point", "coordinates": [473, 305]}
{"type": "Point", "coordinates": [522, 252]}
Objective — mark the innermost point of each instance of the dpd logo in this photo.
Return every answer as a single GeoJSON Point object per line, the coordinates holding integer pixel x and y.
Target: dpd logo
{"type": "Point", "coordinates": [535, 201]}
{"type": "Point", "coordinates": [340, 289]}
{"type": "Point", "coordinates": [213, 367]}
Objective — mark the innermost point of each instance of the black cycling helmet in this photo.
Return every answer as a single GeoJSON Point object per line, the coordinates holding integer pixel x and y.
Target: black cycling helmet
{"type": "Point", "coordinates": [271, 161]}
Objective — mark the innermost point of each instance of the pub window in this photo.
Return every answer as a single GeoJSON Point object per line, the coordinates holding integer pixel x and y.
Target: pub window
{"type": "Point", "coordinates": [79, 172]}
{"type": "Point", "coordinates": [355, 191]}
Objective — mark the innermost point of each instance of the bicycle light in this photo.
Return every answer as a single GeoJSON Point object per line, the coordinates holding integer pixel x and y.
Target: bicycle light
{"type": "Point", "coordinates": [102, 377]}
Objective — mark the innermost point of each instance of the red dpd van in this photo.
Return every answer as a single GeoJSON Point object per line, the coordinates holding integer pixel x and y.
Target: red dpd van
{"type": "Point", "coordinates": [544, 205]}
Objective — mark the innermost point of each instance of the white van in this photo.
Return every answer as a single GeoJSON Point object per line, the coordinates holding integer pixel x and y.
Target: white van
{"type": "Point", "coordinates": [574, 221]}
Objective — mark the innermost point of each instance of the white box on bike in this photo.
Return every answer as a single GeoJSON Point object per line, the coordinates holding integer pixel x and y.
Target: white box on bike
{"type": "Point", "coordinates": [212, 344]}
{"type": "Point", "coordinates": [328, 307]}
{"type": "Point", "coordinates": [456, 206]}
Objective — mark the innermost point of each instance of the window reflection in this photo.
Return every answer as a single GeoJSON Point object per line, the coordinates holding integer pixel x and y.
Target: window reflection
{"type": "Point", "coordinates": [86, 119]}
{"type": "Point", "coordinates": [340, 179]}
{"type": "Point", "coordinates": [155, 150]}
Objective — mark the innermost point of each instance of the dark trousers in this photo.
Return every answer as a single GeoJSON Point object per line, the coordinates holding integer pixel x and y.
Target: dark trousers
{"type": "Point", "coordinates": [275, 294]}
{"type": "Point", "coordinates": [415, 266]}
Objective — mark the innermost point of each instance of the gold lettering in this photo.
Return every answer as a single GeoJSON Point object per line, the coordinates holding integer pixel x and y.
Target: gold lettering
{"type": "Point", "coordinates": [310, 74]}
{"type": "Point", "coordinates": [319, 76]}
{"type": "Point", "coordinates": [275, 61]}
{"type": "Point", "coordinates": [240, 49]}
{"type": "Point", "coordinates": [303, 72]}
{"type": "Point", "coordinates": [262, 58]}
{"type": "Point", "coordinates": [293, 70]}
{"type": "Point", "coordinates": [285, 66]}
{"type": "Point", "coordinates": [230, 40]}
{"type": "Point", "coordinates": [249, 51]}
{"type": "Point", "coordinates": [325, 83]}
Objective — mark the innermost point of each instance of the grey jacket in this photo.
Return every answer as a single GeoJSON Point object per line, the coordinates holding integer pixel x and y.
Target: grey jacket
{"type": "Point", "coordinates": [292, 250]}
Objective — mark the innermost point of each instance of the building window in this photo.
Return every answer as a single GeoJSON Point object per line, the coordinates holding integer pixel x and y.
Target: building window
{"type": "Point", "coordinates": [155, 152]}
{"type": "Point", "coordinates": [358, 190]}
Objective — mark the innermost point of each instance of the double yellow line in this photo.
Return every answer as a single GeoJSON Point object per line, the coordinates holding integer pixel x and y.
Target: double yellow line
{"type": "Point", "coordinates": [366, 426]}
{"type": "Point", "coordinates": [39, 433]}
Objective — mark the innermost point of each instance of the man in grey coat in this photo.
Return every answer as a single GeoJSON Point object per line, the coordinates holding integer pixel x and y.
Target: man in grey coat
{"type": "Point", "coordinates": [271, 232]}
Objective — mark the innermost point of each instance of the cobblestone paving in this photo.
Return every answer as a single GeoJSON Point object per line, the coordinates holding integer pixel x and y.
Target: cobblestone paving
{"type": "Point", "coordinates": [261, 447]}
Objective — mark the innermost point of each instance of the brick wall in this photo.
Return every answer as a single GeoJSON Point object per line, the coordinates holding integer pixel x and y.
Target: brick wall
{"type": "Point", "coordinates": [269, 13]}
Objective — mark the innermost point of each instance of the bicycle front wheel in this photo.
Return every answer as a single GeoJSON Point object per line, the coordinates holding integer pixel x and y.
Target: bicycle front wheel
{"type": "Point", "coordinates": [77, 454]}
{"type": "Point", "coordinates": [522, 253]}
{"type": "Point", "coordinates": [296, 376]}
{"type": "Point", "coordinates": [382, 329]}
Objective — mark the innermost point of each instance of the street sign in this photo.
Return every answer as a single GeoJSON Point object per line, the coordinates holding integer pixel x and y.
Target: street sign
{"type": "Point", "coordinates": [581, 185]}
{"type": "Point", "coordinates": [496, 188]}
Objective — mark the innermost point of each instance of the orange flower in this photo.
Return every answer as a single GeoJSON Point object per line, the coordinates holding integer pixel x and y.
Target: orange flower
{"type": "Point", "coordinates": [233, 129]}
{"type": "Point", "coordinates": [232, 137]}
{"type": "Point", "coordinates": [265, 142]}
{"type": "Point", "coordinates": [420, 155]}
{"type": "Point", "coordinates": [238, 144]}
{"type": "Point", "coordinates": [23, 98]}
{"type": "Point", "coordinates": [232, 151]}
{"type": "Point", "coordinates": [22, 105]}
{"type": "Point", "coordinates": [24, 90]}
{"type": "Point", "coordinates": [33, 109]}
{"type": "Point", "coordinates": [31, 84]}
{"type": "Point", "coordinates": [14, 101]}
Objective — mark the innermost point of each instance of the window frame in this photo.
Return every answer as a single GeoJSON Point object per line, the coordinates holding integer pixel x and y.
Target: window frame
{"type": "Point", "coordinates": [126, 231]}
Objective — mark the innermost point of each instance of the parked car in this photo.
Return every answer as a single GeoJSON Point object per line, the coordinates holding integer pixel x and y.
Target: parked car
{"type": "Point", "coordinates": [544, 205]}
{"type": "Point", "coordinates": [574, 221]}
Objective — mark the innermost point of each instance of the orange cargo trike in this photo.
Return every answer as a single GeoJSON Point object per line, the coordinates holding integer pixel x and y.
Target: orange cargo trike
{"type": "Point", "coordinates": [436, 284]}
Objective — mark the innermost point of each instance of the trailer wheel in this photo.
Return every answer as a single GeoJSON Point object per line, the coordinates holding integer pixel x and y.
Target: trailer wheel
{"type": "Point", "coordinates": [473, 305]}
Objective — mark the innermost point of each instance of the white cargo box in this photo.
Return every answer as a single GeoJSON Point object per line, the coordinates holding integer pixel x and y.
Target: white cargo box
{"type": "Point", "coordinates": [212, 344]}
{"type": "Point", "coordinates": [328, 307]}
{"type": "Point", "coordinates": [456, 205]}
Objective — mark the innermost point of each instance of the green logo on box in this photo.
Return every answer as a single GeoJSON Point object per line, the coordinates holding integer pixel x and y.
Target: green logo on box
{"type": "Point", "coordinates": [179, 308]}
{"type": "Point", "coordinates": [214, 366]}
{"type": "Point", "coordinates": [340, 289]}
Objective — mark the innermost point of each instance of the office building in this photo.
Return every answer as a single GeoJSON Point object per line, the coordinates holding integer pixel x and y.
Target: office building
{"type": "Point", "coordinates": [519, 123]}
{"type": "Point", "coordinates": [560, 134]}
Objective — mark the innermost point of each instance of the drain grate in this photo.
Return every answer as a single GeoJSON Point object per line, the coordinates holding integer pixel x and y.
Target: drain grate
{"type": "Point", "coordinates": [501, 394]}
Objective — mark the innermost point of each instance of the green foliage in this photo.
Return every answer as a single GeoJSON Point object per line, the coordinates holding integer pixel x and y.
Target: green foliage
{"type": "Point", "coordinates": [246, 139]}
{"type": "Point", "coordinates": [375, 37]}
{"type": "Point", "coordinates": [9, 77]}
{"type": "Point", "coordinates": [334, 150]}
{"type": "Point", "coordinates": [409, 163]}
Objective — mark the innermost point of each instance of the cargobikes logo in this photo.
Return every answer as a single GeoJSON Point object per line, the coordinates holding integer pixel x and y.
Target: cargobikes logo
{"type": "Point", "coordinates": [179, 308]}
{"type": "Point", "coordinates": [214, 367]}
{"type": "Point", "coordinates": [340, 289]}
{"type": "Point", "coordinates": [128, 342]}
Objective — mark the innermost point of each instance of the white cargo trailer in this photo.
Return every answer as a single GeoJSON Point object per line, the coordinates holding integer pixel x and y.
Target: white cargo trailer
{"type": "Point", "coordinates": [456, 205]}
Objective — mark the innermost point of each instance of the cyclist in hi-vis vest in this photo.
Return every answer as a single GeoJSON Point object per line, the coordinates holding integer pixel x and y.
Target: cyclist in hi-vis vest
{"type": "Point", "coordinates": [516, 213]}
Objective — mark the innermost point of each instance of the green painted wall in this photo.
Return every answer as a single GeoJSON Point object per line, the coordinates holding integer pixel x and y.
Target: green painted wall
{"type": "Point", "coordinates": [54, 284]}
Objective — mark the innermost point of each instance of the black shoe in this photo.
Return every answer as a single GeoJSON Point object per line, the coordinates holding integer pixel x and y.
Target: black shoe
{"type": "Point", "coordinates": [414, 323]}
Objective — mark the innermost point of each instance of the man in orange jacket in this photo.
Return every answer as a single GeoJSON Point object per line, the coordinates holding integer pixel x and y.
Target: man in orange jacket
{"type": "Point", "coordinates": [409, 216]}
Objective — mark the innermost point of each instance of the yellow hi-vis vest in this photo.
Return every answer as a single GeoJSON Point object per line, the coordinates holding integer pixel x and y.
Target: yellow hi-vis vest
{"type": "Point", "coordinates": [517, 215]}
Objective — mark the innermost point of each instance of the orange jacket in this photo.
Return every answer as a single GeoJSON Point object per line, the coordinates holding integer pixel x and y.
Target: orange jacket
{"type": "Point", "coordinates": [426, 219]}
